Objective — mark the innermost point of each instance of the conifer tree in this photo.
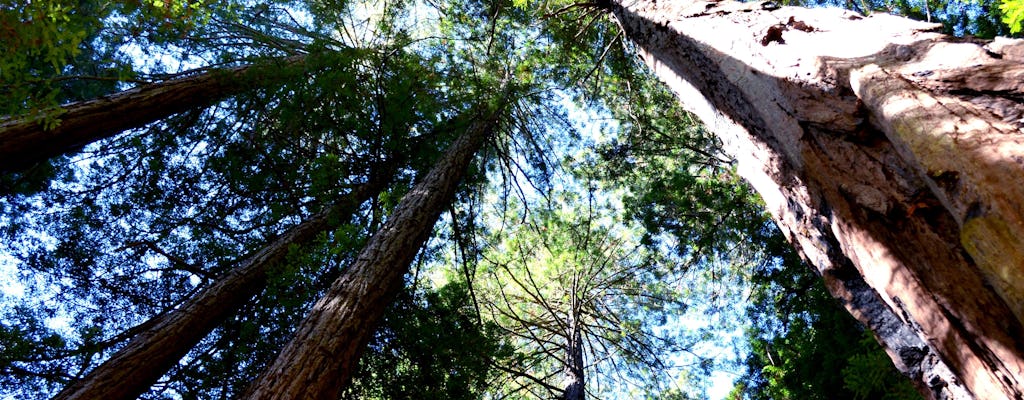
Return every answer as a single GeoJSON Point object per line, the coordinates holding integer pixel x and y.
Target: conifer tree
{"type": "Point", "coordinates": [320, 358]}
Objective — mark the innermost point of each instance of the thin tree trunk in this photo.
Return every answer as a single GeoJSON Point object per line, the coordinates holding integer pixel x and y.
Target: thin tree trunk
{"type": "Point", "coordinates": [26, 141]}
{"type": "Point", "coordinates": [319, 360]}
{"type": "Point", "coordinates": [147, 357]}
{"type": "Point", "coordinates": [575, 386]}
{"type": "Point", "coordinates": [892, 157]}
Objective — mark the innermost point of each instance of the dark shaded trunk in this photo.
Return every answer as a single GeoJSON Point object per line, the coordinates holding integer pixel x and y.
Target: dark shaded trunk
{"type": "Point", "coordinates": [575, 386]}
{"type": "Point", "coordinates": [319, 360]}
{"type": "Point", "coordinates": [892, 158]}
{"type": "Point", "coordinates": [27, 141]}
{"type": "Point", "coordinates": [152, 352]}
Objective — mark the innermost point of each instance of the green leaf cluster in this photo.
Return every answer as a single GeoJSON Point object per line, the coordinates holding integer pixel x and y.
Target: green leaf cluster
{"type": "Point", "coordinates": [1013, 14]}
{"type": "Point", "coordinates": [574, 269]}
{"type": "Point", "coordinates": [804, 345]}
{"type": "Point", "coordinates": [430, 346]}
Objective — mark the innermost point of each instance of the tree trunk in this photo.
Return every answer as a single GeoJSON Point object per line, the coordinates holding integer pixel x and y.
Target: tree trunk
{"type": "Point", "coordinates": [892, 158]}
{"type": "Point", "coordinates": [27, 141]}
{"type": "Point", "coordinates": [319, 360]}
{"type": "Point", "coordinates": [575, 380]}
{"type": "Point", "coordinates": [147, 357]}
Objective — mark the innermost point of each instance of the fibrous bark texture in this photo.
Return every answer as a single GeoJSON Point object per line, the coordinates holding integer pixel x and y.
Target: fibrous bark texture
{"type": "Point", "coordinates": [168, 337]}
{"type": "Point", "coordinates": [27, 141]}
{"type": "Point", "coordinates": [319, 360]}
{"type": "Point", "coordinates": [891, 156]}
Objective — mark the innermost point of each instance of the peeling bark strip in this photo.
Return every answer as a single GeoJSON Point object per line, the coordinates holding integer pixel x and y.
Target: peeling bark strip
{"type": "Point", "coordinates": [319, 360]}
{"type": "Point", "coordinates": [147, 357]}
{"type": "Point", "coordinates": [24, 142]}
{"type": "Point", "coordinates": [892, 157]}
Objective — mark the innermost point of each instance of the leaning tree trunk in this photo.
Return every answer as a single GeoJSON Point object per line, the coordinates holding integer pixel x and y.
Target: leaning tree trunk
{"type": "Point", "coordinates": [153, 351]}
{"type": "Point", "coordinates": [892, 158]}
{"type": "Point", "coordinates": [319, 360]}
{"type": "Point", "coordinates": [25, 141]}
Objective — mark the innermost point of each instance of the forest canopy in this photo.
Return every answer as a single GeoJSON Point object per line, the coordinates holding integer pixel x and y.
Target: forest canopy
{"type": "Point", "coordinates": [500, 198]}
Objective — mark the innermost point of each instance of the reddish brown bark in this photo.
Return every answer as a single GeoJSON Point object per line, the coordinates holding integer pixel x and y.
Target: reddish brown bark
{"type": "Point", "coordinates": [319, 360]}
{"type": "Point", "coordinates": [892, 157]}
{"type": "Point", "coordinates": [152, 352]}
{"type": "Point", "coordinates": [25, 142]}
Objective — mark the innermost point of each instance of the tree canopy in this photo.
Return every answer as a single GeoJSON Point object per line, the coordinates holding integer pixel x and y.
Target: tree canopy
{"type": "Point", "coordinates": [600, 244]}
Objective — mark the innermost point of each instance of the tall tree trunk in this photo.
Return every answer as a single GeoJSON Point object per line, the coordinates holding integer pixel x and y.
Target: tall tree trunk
{"type": "Point", "coordinates": [26, 141]}
{"type": "Point", "coordinates": [575, 386]}
{"type": "Point", "coordinates": [891, 156]}
{"type": "Point", "coordinates": [148, 356]}
{"type": "Point", "coordinates": [319, 360]}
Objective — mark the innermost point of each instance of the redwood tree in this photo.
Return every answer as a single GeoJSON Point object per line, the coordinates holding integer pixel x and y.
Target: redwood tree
{"type": "Point", "coordinates": [26, 140]}
{"type": "Point", "coordinates": [63, 64]}
{"type": "Point", "coordinates": [166, 338]}
{"type": "Point", "coordinates": [890, 156]}
{"type": "Point", "coordinates": [304, 149]}
{"type": "Point", "coordinates": [320, 358]}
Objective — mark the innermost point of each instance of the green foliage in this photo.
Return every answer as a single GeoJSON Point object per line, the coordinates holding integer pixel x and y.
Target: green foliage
{"type": "Point", "coordinates": [804, 345]}
{"type": "Point", "coordinates": [153, 216]}
{"type": "Point", "coordinates": [869, 375]}
{"type": "Point", "coordinates": [430, 346]}
{"type": "Point", "coordinates": [555, 272]}
{"type": "Point", "coordinates": [45, 30]}
{"type": "Point", "coordinates": [25, 338]}
{"type": "Point", "coordinates": [40, 38]}
{"type": "Point", "coordinates": [1013, 14]}
{"type": "Point", "coordinates": [57, 51]}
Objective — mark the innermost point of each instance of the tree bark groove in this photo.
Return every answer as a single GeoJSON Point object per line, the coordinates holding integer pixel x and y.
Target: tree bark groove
{"type": "Point", "coordinates": [894, 169]}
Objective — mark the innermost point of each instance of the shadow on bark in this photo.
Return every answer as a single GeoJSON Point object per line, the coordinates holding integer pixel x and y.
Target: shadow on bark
{"type": "Point", "coordinates": [866, 216]}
